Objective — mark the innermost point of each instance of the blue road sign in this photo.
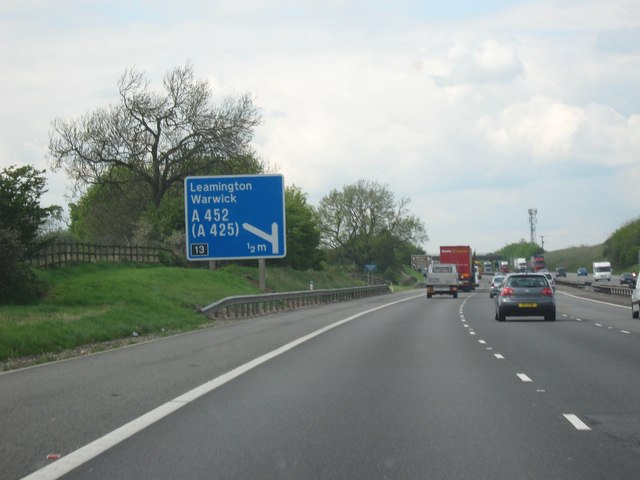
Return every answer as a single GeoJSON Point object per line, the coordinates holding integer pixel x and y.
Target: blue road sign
{"type": "Point", "coordinates": [235, 217]}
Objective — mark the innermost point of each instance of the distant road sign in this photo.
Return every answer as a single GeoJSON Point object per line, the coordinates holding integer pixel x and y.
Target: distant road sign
{"type": "Point", "coordinates": [235, 217]}
{"type": "Point", "coordinates": [419, 262]}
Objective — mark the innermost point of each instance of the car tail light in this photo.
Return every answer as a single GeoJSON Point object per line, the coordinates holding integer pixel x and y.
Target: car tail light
{"type": "Point", "coordinates": [506, 292]}
{"type": "Point", "coordinates": [547, 292]}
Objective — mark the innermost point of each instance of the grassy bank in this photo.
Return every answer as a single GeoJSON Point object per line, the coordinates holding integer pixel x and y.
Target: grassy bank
{"type": "Point", "coordinates": [92, 304]}
{"type": "Point", "coordinates": [574, 257]}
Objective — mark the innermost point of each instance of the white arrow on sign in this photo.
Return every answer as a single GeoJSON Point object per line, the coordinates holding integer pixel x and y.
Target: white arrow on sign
{"type": "Point", "coordinates": [271, 238]}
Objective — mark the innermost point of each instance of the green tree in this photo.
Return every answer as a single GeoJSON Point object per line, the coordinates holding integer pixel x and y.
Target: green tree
{"type": "Point", "coordinates": [521, 249]}
{"type": "Point", "coordinates": [303, 236]}
{"type": "Point", "coordinates": [21, 189]}
{"type": "Point", "coordinates": [158, 138]}
{"type": "Point", "coordinates": [363, 223]}
{"type": "Point", "coordinates": [623, 245]}
{"type": "Point", "coordinates": [109, 213]}
{"type": "Point", "coordinates": [21, 218]}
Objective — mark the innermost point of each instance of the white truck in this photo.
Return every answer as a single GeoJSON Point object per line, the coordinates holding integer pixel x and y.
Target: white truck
{"type": "Point", "coordinates": [442, 279]}
{"type": "Point", "coordinates": [520, 264]}
{"type": "Point", "coordinates": [601, 271]}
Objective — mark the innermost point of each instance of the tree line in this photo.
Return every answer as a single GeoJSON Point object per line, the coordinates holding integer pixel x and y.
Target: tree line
{"type": "Point", "coordinates": [128, 162]}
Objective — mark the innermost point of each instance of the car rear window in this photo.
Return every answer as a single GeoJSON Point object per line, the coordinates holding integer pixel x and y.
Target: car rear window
{"type": "Point", "coordinates": [528, 282]}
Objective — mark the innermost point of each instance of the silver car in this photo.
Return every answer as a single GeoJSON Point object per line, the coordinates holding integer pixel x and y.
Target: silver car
{"type": "Point", "coordinates": [526, 295]}
{"type": "Point", "coordinates": [494, 289]}
{"type": "Point", "coordinates": [550, 279]}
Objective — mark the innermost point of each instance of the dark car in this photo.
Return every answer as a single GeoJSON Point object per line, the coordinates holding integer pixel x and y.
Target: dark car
{"type": "Point", "coordinates": [635, 301]}
{"type": "Point", "coordinates": [582, 272]}
{"type": "Point", "coordinates": [526, 295]}
{"type": "Point", "coordinates": [628, 278]}
{"type": "Point", "coordinates": [560, 272]}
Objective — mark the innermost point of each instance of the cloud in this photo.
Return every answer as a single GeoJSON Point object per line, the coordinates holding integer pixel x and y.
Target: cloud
{"type": "Point", "coordinates": [533, 99]}
{"type": "Point", "coordinates": [541, 129]}
{"type": "Point", "coordinates": [490, 62]}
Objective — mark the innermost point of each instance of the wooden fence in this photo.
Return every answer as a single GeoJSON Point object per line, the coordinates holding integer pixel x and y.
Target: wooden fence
{"type": "Point", "coordinates": [64, 253]}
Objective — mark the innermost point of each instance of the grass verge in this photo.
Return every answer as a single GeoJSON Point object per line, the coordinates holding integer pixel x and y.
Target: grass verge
{"type": "Point", "coordinates": [100, 303]}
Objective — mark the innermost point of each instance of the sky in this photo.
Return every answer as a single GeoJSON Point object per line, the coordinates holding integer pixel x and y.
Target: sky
{"type": "Point", "coordinates": [475, 111]}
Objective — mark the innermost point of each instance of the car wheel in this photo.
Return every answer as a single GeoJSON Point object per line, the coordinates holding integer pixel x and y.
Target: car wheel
{"type": "Point", "coordinates": [428, 295]}
{"type": "Point", "coordinates": [501, 316]}
{"type": "Point", "coordinates": [550, 317]}
{"type": "Point", "coordinates": [635, 313]}
{"type": "Point", "coordinates": [455, 295]}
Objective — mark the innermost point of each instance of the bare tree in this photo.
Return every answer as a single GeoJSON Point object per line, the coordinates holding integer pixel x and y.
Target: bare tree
{"type": "Point", "coordinates": [156, 138]}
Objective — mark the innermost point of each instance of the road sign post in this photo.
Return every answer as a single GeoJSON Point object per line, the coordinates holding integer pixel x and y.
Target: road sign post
{"type": "Point", "coordinates": [235, 217]}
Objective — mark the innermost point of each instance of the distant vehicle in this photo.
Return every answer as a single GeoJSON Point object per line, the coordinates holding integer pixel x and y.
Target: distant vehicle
{"type": "Point", "coordinates": [628, 278]}
{"type": "Point", "coordinates": [494, 289]}
{"type": "Point", "coordinates": [560, 272]}
{"type": "Point", "coordinates": [635, 301]}
{"type": "Point", "coordinates": [442, 279]}
{"type": "Point", "coordinates": [504, 267]}
{"type": "Point", "coordinates": [601, 271]}
{"type": "Point", "coordinates": [550, 279]}
{"type": "Point", "coordinates": [488, 268]}
{"type": "Point", "coordinates": [582, 272]}
{"type": "Point", "coordinates": [537, 263]}
{"type": "Point", "coordinates": [520, 264]}
{"type": "Point", "coordinates": [526, 295]}
{"type": "Point", "coordinates": [478, 270]}
{"type": "Point", "coordinates": [461, 256]}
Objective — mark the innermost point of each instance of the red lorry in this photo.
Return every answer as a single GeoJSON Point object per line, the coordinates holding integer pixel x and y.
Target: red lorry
{"type": "Point", "coordinates": [462, 256]}
{"type": "Point", "coordinates": [537, 263]}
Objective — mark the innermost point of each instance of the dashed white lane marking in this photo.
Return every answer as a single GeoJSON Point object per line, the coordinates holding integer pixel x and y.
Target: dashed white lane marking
{"type": "Point", "coordinates": [624, 331]}
{"type": "Point", "coordinates": [482, 342]}
{"type": "Point", "coordinates": [576, 422]}
{"type": "Point", "coordinates": [498, 356]}
{"type": "Point", "coordinates": [598, 324]}
{"type": "Point", "coordinates": [524, 377]}
{"type": "Point", "coordinates": [471, 332]}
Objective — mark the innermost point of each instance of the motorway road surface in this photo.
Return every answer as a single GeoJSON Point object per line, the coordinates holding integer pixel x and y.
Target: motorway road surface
{"type": "Point", "coordinates": [402, 388]}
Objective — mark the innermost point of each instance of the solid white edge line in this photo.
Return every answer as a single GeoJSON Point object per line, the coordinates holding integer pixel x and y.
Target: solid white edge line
{"type": "Point", "coordinates": [74, 459]}
{"type": "Point", "coordinates": [576, 422]}
{"type": "Point", "coordinates": [524, 377]}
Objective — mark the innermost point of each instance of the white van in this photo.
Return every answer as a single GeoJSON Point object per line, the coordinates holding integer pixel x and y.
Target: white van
{"type": "Point", "coordinates": [601, 271]}
{"type": "Point", "coordinates": [442, 279]}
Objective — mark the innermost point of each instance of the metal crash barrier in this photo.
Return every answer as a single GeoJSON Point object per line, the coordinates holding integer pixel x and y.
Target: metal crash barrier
{"type": "Point", "coordinates": [255, 305]}
{"type": "Point", "coordinates": [608, 289]}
